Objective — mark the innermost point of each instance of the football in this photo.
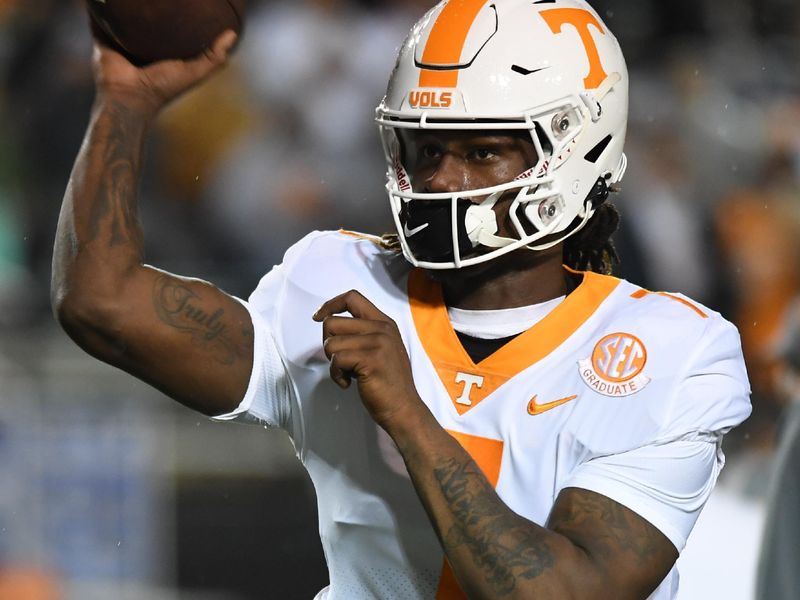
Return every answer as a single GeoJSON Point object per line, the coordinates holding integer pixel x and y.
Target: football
{"type": "Point", "coordinates": [147, 31]}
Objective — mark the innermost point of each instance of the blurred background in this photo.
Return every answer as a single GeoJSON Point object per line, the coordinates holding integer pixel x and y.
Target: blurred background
{"type": "Point", "coordinates": [109, 490]}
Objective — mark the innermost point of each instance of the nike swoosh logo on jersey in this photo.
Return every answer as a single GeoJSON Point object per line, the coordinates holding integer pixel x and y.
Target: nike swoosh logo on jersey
{"type": "Point", "coordinates": [412, 232]}
{"type": "Point", "coordinates": [537, 409]}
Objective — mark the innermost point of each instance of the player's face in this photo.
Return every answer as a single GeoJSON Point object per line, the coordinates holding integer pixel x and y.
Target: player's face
{"type": "Point", "coordinates": [455, 161]}
{"type": "Point", "coordinates": [458, 161]}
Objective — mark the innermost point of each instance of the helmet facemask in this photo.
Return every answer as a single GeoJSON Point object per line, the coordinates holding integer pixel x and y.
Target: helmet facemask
{"type": "Point", "coordinates": [457, 229]}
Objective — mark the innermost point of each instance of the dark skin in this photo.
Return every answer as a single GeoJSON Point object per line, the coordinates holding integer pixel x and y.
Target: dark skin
{"type": "Point", "coordinates": [195, 343]}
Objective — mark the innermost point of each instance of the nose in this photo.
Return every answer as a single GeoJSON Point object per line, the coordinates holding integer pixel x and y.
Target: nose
{"type": "Point", "coordinates": [450, 175]}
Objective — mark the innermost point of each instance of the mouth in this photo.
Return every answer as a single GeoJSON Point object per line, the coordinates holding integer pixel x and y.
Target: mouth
{"type": "Point", "coordinates": [427, 226]}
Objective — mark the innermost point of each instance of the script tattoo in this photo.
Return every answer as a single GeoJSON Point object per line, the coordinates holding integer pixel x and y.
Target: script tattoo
{"type": "Point", "coordinates": [113, 212]}
{"type": "Point", "coordinates": [502, 547]}
{"type": "Point", "coordinates": [182, 309]}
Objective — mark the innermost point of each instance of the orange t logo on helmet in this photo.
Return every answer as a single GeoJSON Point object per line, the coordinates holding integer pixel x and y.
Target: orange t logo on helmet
{"type": "Point", "coordinates": [580, 19]}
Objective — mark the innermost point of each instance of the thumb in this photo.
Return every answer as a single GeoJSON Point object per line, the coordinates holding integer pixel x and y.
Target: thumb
{"type": "Point", "coordinates": [221, 47]}
{"type": "Point", "coordinates": [213, 57]}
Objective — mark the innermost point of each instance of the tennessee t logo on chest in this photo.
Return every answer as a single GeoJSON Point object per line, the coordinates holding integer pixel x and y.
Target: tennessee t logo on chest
{"type": "Point", "coordinates": [469, 382]}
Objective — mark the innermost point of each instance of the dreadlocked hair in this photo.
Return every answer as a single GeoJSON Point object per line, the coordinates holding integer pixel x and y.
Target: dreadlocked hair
{"type": "Point", "coordinates": [591, 248]}
{"type": "Point", "coordinates": [390, 241]}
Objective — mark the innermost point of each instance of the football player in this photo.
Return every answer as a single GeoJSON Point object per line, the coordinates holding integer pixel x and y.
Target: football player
{"type": "Point", "coordinates": [483, 410]}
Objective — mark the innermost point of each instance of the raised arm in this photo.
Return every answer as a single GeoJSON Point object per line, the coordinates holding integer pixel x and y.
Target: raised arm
{"type": "Point", "coordinates": [183, 336]}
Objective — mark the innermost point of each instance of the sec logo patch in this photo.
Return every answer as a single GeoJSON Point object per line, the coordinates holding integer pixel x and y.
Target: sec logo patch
{"type": "Point", "coordinates": [616, 366]}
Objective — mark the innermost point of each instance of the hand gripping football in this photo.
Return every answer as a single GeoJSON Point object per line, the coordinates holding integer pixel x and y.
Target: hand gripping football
{"type": "Point", "coordinates": [146, 31]}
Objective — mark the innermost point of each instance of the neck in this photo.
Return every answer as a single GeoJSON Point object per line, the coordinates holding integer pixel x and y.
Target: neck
{"type": "Point", "coordinates": [517, 279]}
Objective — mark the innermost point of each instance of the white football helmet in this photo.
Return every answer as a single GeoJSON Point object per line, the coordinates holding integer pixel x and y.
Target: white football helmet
{"type": "Point", "coordinates": [551, 67]}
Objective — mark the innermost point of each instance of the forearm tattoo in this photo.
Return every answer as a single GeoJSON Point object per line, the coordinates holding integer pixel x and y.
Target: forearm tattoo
{"type": "Point", "coordinates": [182, 309]}
{"type": "Point", "coordinates": [114, 211]}
{"type": "Point", "coordinates": [502, 546]}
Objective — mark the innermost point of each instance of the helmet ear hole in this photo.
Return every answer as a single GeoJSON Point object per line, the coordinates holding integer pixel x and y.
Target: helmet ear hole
{"type": "Point", "coordinates": [595, 153]}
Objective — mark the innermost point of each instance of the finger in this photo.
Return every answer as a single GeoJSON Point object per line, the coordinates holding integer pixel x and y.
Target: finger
{"type": "Point", "coordinates": [217, 53]}
{"type": "Point", "coordinates": [212, 58]}
{"type": "Point", "coordinates": [339, 343]}
{"type": "Point", "coordinates": [341, 378]}
{"type": "Point", "coordinates": [339, 326]}
{"type": "Point", "coordinates": [224, 43]}
{"type": "Point", "coordinates": [353, 302]}
{"type": "Point", "coordinates": [345, 365]}
{"type": "Point", "coordinates": [220, 48]}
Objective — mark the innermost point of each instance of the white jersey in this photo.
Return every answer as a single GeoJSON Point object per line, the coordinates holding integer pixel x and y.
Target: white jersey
{"type": "Point", "coordinates": [617, 390]}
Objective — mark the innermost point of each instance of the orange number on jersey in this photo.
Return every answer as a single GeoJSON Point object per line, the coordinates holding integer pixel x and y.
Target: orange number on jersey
{"type": "Point", "coordinates": [487, 454]}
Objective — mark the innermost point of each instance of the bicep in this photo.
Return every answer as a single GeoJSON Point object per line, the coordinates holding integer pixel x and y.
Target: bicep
{"type": "Point", "coordinates": [185, 337]}
{"type": "Point", "coordinates": [630, 556]}
{"type": "Point", "coordinates": [632, 512]}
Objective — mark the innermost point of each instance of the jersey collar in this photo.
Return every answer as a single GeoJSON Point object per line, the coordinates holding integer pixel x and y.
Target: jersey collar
{"type": "Point", "coordinates": [454, 366]}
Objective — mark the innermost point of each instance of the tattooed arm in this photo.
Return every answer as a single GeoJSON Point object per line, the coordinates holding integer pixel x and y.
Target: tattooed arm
{"type": "Point", "coordinates": [591, 547]}
{"type": "Point", "coordinates": [183, 336]}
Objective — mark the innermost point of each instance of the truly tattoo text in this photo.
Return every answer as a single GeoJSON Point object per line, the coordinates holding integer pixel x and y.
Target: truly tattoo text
{"type": "Point", "coordinates": [182, 309]}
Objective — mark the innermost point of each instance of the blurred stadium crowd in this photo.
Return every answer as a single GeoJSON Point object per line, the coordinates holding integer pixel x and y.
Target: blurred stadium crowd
{"type": "Point", "coordinates": [283, 142]}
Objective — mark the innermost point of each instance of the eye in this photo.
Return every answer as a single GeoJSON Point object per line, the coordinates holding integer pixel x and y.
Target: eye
{"type": "Point", "coordinates": [430, 152]}
{"type": "Point", "coordinates": [483, 154]}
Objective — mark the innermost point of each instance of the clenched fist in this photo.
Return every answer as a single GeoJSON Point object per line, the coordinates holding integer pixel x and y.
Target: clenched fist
{"type": "Point", "coordinates": [152, 87]}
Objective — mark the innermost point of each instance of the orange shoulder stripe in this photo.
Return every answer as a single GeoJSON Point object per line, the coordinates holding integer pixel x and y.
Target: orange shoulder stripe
{"type": "Point", "coordinates": [639, 294]}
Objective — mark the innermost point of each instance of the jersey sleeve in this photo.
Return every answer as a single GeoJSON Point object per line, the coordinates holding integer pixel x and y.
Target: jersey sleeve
{"type": "Point", "coordinates": [268, 398]}
{"type": "Point", "coordinates": [287, 343]}
{"type": "Point", "coordinates": [271, 398]}
{"type": "Point", "coordinates": [648, 481]}
{"type": "Point", "coordinates": [668, 480]}
{"type": "Point", "coordinates": [713, 391]}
